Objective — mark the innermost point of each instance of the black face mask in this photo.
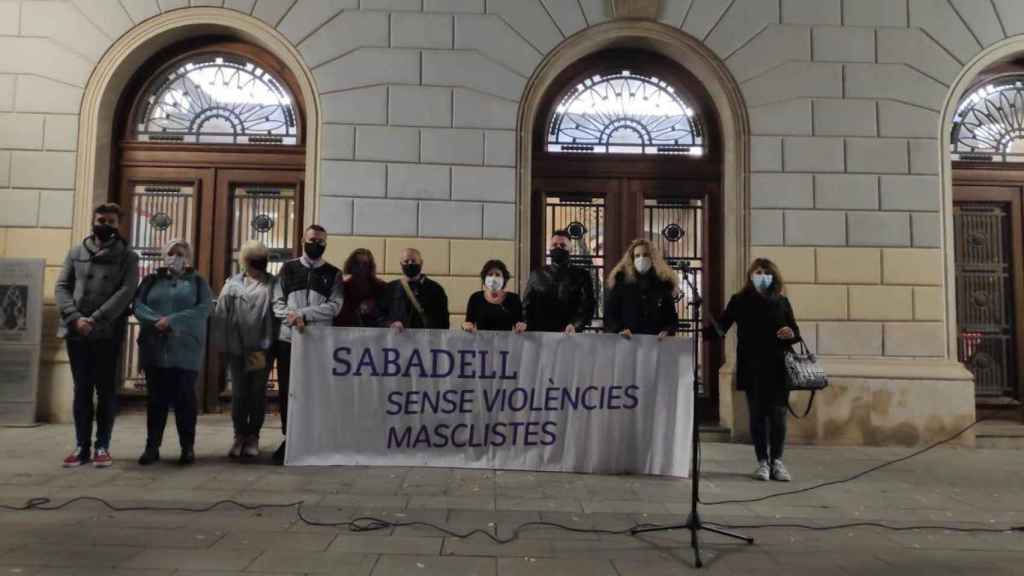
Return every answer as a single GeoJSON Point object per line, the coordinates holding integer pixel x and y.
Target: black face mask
{"type": "Point", "coordinates": [103, 232]}
{"type": "Point", "coordinates": [258, 264]}
{"type": "Point", "coordinates": [412, 270]}
{"type": "Point", "coordinates": [314, 250]}
{"type": "Point", "coordinates": [559, 256]}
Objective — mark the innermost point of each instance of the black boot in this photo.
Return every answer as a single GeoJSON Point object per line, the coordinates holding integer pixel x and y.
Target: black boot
{"type": "Point", "coordinates": [149, 456]}
{"type": "Point", "coordinates": [187, 457]}
{"type": "Point", "coordinates": [279, 455]}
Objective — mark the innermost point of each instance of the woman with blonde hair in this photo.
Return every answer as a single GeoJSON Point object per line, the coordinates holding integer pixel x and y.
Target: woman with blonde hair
{"type": "Point", "coordinates": [245, 329]}
{"type": "Point", "coordinates": [640, 298]}
{"type": "Point", "coordinates": [767, 329]}
{"type": "Point", "coordinates": [172, 305]}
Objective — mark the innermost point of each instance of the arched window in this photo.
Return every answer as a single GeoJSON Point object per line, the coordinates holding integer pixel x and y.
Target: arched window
{"type": "Point", "coordinates": [216, 98]}
{"type": "Point", "coordinates": [989, 124]}
{"type": "Point", "coordinates": [625, 112]}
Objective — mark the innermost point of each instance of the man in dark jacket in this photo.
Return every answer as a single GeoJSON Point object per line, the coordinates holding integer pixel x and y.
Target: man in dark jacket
{"type": "Point", "coordinates": [559, 297]}
{"type": "Point", "coordinates": [308, 293]}
{"type": "Point", "coordinates": [414, 301]}
{"type": "Point", "coordinates": [95, 286]}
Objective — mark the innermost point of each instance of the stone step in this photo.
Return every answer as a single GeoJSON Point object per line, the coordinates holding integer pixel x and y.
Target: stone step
{"type": "Point", "coordinates": [1000, 434]}
{"type": "Point", "coordinates": [715, 433]}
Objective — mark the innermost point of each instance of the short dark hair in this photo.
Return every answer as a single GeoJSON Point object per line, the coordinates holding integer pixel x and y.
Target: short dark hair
{"type": "Point", "coordinates": [108, 208]}
{"type": "Point", "coordinates": [316, 228]}
{"type": "Point", "coordinates": [561, 232]}
{"type": "Point", "coordinates": [495, 265]}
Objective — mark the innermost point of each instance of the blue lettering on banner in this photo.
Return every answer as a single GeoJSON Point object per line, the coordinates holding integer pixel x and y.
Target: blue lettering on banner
{"type": "Point", "coordinates": [391, 366]}
{"type": "Point", "coordinates": [435, 354]}
{"type": "Point", "coordinates": [366, 359]}
{"type": "Point", "coordinates": [340, 357]}
{"type": "Point", "coordinates": [515, 400]}
{"type": "Point", "coordinates": [415, 360]}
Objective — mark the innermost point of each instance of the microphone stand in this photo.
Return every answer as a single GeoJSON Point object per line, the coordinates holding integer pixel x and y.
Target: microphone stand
{"type": "Point", "coordinates": [693, 522]}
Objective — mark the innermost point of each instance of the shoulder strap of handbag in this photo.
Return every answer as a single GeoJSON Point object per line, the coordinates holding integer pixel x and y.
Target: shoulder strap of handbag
{"type": "Point", "coordinates": [412, 300]}
{"type": "Point", "coordinates": [810, 403]}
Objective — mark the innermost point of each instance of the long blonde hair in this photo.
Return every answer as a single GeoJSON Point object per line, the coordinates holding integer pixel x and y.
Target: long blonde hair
{"type": "Point", "coordinates": [628, 270]}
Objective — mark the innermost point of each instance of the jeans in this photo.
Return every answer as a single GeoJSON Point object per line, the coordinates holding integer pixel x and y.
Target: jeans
{"type": "Point", "coordinates": [171, 387]}
{"type": "Point", "coordinates": [94, 371]}
{"type": "Point", "coordinates": [248, 396]}
{"type": "Point", "coordinates": [767, 421]}
{"type": "Point", "coordinates": [284, 366]}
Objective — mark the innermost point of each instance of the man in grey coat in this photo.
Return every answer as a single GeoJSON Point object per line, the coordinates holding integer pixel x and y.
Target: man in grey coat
{"type": "Point", "coordinates": [93, 291]}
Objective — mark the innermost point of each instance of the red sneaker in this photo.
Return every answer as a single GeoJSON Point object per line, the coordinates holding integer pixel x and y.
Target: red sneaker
{"type": "Point", "coordinates": [102, 459]}
{"type": "Point", "coordinates": [76, 458]}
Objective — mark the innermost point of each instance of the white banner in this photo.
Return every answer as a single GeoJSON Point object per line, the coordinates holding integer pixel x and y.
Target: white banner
{"type": "Point", "coordinates": [583, 403]}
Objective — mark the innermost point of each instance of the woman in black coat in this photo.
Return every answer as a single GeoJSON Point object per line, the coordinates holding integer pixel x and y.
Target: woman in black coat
{"type": "Point", "coordinates": [766, 330]}
{"type": "Point", "coordinates": [641, 294]}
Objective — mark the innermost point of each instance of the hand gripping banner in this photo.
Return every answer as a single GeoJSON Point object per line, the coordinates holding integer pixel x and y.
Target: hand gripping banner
{"type": "Point", "coordinates": [536, 401]}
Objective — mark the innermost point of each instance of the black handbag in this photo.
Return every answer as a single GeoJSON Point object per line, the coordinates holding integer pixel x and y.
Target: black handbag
{"type": "Point", "coordinates": [804, 373]}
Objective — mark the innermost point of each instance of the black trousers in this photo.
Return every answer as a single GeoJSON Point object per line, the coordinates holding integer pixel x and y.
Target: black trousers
{"type": "Point", "coordinates": [171, 387]}
{"type": "Point", "coordinates": [767, 409]}
{"type": "Point", "coordinates": [283, 351]}
{"type": "Point", "coordinates": [94, 371]}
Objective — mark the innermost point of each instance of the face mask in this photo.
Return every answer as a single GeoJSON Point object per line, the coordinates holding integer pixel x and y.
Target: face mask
{"type": "Point", "coordinates": [314, 250]}
{"type": "Point", "coordinates": [175, 263]}
{"type": "Point", "coordinates": [761, 281]}
{"type": "Point", "coordinates": [494, 283]}
{"type": "Point", "coordinates": [411, 270]}
{"type": "Point", "coordinates": [103, 232]}
{"type": "Point", "coordinates": [258, 264]}
{"type": "Point", "coordinates": [559, 256]}
{"type": "Point", "coordinates": [642, 264]}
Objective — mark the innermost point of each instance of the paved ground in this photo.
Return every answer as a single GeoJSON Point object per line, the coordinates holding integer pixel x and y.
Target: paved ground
{"type": "Point", "coordinates": [949, 486]}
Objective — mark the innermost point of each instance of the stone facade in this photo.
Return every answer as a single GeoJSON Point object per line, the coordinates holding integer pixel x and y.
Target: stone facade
{"type": "Point", "coordinates": [418, 102]}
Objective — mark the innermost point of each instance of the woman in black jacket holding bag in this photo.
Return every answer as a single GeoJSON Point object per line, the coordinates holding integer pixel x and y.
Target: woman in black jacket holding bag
{"type": "Point", "coordinates": [766, 330]}
{"type": "Point", "coordinates": [641, 294]}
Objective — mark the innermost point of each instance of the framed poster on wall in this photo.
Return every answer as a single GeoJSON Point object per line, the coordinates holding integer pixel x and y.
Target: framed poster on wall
{"type": "Point", "coordinates": [21, 320]}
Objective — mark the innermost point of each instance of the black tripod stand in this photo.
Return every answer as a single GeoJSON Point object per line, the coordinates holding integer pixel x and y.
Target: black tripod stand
{"type": "Point", "coordinates": [693, 521]}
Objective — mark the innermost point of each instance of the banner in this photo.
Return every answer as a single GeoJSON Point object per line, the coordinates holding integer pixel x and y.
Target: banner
{"type": "Point", "coordinates": [536, 401]}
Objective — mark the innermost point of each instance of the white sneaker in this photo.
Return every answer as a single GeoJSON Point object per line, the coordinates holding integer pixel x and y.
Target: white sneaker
{"type": "Point", "coordinates": [236, 448]}
{"type": "Point", "coordinates": [779, 472]}
{"type": "Point", "coordinates": [763, 472]}
{"type": "Point", "coordinates": [251, 447]}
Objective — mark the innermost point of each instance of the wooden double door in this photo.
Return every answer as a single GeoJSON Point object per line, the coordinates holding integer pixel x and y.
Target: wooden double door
{"type": "Point", "coordinates": [216, 210]}
{"type": "Point", "coordinates": [603, 215]}
{"type": "Point", "coordinates": [988, 237]}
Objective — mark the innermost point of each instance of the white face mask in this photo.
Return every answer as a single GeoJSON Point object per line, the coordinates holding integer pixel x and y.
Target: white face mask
{"type": "Point", "coordinates": [175, 263]}
{"type": "Point", "coordinates": [494, 283]}
{"type": "Point", "coordinates": [761, 282]}
{"type": "Point", "coordinates": [642, 264]}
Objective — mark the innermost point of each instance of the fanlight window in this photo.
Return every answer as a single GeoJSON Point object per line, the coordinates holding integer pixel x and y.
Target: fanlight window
{"type": "Point", "coordinates": [625, 113]}
{"type": "Point", "coordinates": [217, 99]}
{"type": "Point", "coordinates": [989, 124]}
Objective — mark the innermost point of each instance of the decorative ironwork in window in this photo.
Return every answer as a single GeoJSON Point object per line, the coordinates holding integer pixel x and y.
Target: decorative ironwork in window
{"type": "Point", "coordinates": [625, 113]}
{"type": "Point", "coordinates": [217, 99]}
{"type": "Point", "coordinates": [989, 124]}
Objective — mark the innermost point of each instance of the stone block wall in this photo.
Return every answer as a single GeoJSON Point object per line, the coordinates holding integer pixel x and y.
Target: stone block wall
{"type": "Point", "coordinates": [418, 109]}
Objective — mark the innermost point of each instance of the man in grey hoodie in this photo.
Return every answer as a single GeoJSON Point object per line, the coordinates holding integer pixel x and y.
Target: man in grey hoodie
{"type": "Point", "coordinates": [308, 293]}
{"type": "Point", "coordinates": [93, 291]}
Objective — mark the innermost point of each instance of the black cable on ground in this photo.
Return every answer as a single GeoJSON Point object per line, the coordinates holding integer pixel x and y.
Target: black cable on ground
{"type": "Point", "coordinates": [842, 480]}
{"type": "Point", "coordinates": [370, 524]}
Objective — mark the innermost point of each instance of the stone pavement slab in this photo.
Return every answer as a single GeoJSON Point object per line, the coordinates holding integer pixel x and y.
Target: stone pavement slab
{"type": "Point", "coordinates": [953, 486]}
